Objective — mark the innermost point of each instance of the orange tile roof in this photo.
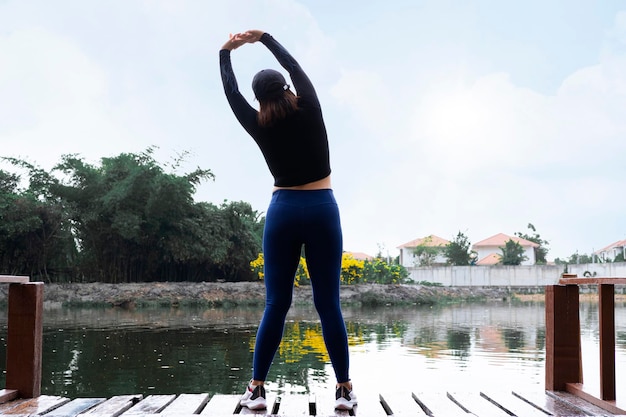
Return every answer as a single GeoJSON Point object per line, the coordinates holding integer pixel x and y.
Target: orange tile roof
{"type": "Point", "coordinates": [360, 256]}
{"type": "Point", "coordinates": [500, 240]}
{"type": "Point", "coordinates": [618, 244]}
{"type": "Point", "coordinates": [491, 259]}
{"type": "Point", "coordinates": [431, 240]}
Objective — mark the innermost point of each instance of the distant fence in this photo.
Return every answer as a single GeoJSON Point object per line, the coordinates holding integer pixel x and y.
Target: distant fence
{"type": "Point", "coordinates": [511, 276]}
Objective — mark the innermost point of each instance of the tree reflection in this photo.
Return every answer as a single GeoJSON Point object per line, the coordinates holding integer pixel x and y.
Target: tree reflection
{"type": "Point", "coordinates": [107, 352]}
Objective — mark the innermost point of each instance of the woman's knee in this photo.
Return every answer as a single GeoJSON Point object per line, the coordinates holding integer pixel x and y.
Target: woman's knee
{"type": "Point", "coordinates": [279, 306]}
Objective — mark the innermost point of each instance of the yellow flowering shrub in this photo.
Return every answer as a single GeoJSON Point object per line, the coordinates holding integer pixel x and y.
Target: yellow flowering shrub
{"type": "Point", "coordinates": [351, 269]}
{"type": "Point", "coordinates": [302, 273]}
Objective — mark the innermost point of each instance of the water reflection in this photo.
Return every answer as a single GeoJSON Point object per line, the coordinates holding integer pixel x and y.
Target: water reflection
{"type": "Point", "coordinates": [106, 352]}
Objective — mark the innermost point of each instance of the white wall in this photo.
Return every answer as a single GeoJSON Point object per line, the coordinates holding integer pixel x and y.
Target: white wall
{"type": "Point", "coordinates": [510, 276]}
{"type": "Point", "coordinates": [484, 276]}
{"type": "Point", "coordinates": [617, 269]}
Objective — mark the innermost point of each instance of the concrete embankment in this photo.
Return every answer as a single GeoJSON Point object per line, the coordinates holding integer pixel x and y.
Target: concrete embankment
{"type": "Point", "coordinates": [253, 293]}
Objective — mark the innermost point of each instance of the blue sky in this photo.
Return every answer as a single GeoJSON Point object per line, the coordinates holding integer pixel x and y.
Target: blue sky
{"type": "Point", "coordinates": [443, 116]}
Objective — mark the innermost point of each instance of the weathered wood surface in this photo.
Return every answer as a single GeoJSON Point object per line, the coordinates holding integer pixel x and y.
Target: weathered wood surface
{"type": "Point", "coordinates": [432, 404]}
{"type": "Point", "coordinates": [401, 405]}
{"type": "Point", "coordinates": [24, 338]}
{"type": "Point", "coordinates": [8, 395]}
{"type": "Point", "coordinates": [592, 280]}
{"type": "Point", "coordinates": [33, 406]}
{"type": "Point", "coordinates": [15, 279]}
{"type": "Point", "coordinates": [75, 407]}
{"type": "Point", "coordinates": [186, 404]}
{"type": "Point", "coordinates": [114, 406]}
{"type": "Point", "coordinates": [563, 342]}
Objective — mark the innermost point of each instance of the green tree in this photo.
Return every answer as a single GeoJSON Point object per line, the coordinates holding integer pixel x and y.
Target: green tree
{"type": "Point", "coordinates": [35, 238]}
{"type": "Point", "coordinates": [458, 250]}
{"type": "Point", "coordinates": [512, 253]}
{"type": "Point", "coordinates": [426, 253]}
{"type": "Point", "coordinates": [124, 220]}
{"type": "Point", "coordinates": [135, 222]}
{"type": "Point", "coordinates": [542, 250]}
{"type": "Point", "coordinates": [574, 258]}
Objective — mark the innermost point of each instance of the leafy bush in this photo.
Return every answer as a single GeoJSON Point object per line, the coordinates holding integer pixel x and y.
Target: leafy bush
{"type": "Point", "coordinates": [353, 271]}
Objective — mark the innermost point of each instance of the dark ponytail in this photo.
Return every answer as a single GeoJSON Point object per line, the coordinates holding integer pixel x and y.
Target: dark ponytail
{"type": "Point", "coordinates": [271, 111]}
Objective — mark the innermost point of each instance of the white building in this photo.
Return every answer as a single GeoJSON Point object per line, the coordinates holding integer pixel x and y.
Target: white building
{"type": "Point", "coordinates": [408, 259]}
{"type": "Point", "coordinates": [489, 252]}
{"type": "Point", "coordinates": [609, 253]}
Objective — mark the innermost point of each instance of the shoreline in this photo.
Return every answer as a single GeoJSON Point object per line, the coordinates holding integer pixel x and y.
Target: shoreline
{"type": "Point", "coordinates": [216, 294]}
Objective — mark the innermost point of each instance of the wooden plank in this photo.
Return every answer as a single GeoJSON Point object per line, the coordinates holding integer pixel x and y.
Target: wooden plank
{"type": "Point", "coordinates": [14, 279]}
{"type": "Point", "coordinates": [325, 406]}
{"type": "Point", "coordinates": [152, 404]}
{"type": "Point", "coordinates": [400, 404]}
{"type": "Point", "coordinates": [222, 405]}
{"type": "Point", "coordinates": [563, 348]}
{"type": "Point", "coordinates": [437, 404]}
{"type": "Point", "coordinates": [312, 404]}
{"type": "Point", "coordinates": [4, 408]}
{"type": "Point", "coordinates": [369, 405]}
{"type": "Point", "coordinates": [24, 338]}
{"type": "Point", "coordinates": [8, 395]}
{"type": "Point", "coordinates": [187, 404]}
{"type": "Point", "coordinates": [114, 406]}
{"type": "Point", "coordinates": [611, 406]}
{"type": "Point", "coordinates": [473, 403]}
{"type": "Point", "coordinates": [294, 405]}
{"type": "Point", "coordinates": [592, 280]}
{"type": "Point", "coordinates": [583, 407]}
{"type": "Point", "coordinates": [39, 405]}
{"type": "Point", "coordinates": [512, 405]}
{"type": "Point", "coordinates": [542, 400]}
{"type": "Point", "coordinates": [75, 407]}
{"type": "Point", "coordinates": [606, 293]}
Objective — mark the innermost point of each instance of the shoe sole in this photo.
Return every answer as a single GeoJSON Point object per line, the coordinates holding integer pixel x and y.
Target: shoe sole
{"type": "Point", "coordinates": [344, 406]}
{"type": "Point", "coordinates": [260, 405]}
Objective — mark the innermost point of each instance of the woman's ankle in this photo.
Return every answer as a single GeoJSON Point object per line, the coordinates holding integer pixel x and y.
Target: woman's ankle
{"type": "Point", "coordinates": [347, 385]}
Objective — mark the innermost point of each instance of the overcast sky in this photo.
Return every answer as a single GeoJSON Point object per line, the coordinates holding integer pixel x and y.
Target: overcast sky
{"type": "Point", "coordinates": [443, 116]}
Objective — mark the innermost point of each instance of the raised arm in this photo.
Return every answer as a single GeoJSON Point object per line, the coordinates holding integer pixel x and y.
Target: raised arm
{"type": "Point", "coordinates": [301, 81]}
{"type": "Point", "coordinates": [245, 113]}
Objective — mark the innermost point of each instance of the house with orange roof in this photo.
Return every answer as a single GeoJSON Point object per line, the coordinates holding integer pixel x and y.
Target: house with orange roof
{"type": "Point", "coordinates": [489, 251]}
{"type": "Point", "coordinates": [612, 251]}
{"type": "Point", "coordinates": [360, 256]}
{"type": "Point", "coordinates": [409, 259]}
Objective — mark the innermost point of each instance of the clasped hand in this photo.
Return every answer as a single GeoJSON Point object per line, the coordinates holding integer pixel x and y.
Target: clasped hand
{"type": "Point", "coordinates": [238, 39]}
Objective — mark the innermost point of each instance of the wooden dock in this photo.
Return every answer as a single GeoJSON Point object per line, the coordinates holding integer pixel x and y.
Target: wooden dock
{"type": "Point", "coordinates": [434, 404]}
{"type": "Point", "coordinates": [564, 395]}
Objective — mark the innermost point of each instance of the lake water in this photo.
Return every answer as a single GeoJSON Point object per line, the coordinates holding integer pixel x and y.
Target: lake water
{"type": "Point", "coordinates": [106, 352]}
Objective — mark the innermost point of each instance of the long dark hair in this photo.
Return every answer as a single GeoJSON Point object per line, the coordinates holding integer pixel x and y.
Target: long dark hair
{"type": "Point", "coordinates": [275, 109]}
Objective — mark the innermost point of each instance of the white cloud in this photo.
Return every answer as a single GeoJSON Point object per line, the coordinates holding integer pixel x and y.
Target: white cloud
{"type": "Point", "coordinates": [428, 133]}
{"type": "Point", "coordinates": [486, 156]}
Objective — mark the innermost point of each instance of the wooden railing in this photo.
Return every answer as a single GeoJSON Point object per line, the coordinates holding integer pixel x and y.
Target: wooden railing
{"type": "Point", "coordinates": [24, 338]}
{"type": "Point", "coordinates": [563, 345]}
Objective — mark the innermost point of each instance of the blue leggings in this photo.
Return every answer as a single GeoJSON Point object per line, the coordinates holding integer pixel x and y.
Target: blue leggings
{"type": "Point", "coordinates": [295, 218]}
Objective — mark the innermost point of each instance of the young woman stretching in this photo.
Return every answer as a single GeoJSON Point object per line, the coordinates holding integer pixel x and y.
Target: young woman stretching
{"type": "Point", "coordinates": [290, 131]}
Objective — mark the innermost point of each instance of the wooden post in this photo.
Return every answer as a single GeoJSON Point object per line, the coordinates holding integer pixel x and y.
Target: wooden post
{"type": "Point", "coordinates": [24, 338]}
{"type": "Point", "coordinates": [563, 347]}
{"type": "Point", "coordinates": [606, 293]}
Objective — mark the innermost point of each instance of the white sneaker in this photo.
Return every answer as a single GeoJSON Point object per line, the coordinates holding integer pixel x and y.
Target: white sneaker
{"type": "Point", "coordinates": [254, 398]}
{"type": "Point", "coordinates": [344, 399]}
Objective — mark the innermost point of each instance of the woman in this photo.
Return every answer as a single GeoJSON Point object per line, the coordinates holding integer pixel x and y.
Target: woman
{"type": "Point", "coordinates": [290, 131]}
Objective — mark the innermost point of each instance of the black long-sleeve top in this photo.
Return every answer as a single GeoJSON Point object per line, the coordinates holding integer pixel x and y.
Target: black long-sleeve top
{"type": "Point", "coordinates": [295, 148]}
